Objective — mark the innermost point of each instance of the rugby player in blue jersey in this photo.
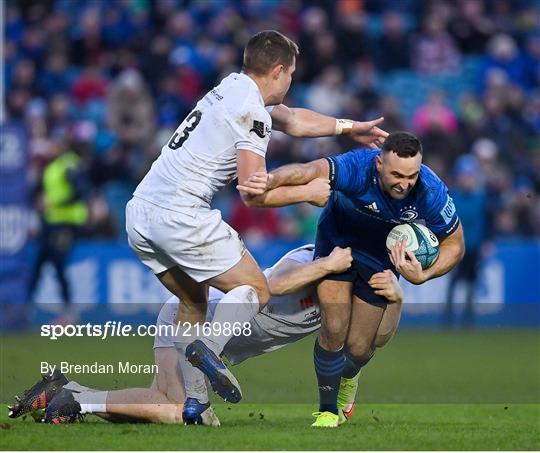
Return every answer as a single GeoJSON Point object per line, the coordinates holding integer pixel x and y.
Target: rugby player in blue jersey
{"type": "Point", "coordinates": [372, 191]}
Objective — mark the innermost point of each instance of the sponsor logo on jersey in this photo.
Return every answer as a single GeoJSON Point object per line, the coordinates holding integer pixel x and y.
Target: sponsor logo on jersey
{"type": "Point", "coordinates": [448, 210]}
{"type": "Point", "coordinates": [218, 96]}
{"type": "Point", "coordinates": [454, 226]}
{"type": "Point", "coordinates": [306, 302]}
{"type": "Point", "coordinates": [373, 207]}
{"type": "Point", "coordinates": [260, 128]}
{"type": "Point", "coordinates": [313, 317]}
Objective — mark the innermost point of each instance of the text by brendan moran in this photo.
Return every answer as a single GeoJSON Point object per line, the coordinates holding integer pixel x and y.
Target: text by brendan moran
{"type": "Point", "coordinates": [99, 368]}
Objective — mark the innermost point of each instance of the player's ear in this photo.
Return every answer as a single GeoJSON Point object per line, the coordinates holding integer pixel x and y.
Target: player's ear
{"type": "Point", "coordinates": [378, 162]}
{"type": "Point", "coordinates": [278, 69]}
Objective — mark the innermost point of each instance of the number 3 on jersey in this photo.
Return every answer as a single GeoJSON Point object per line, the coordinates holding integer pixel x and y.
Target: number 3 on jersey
{"type": "Point", "coordinates": [192, 120]}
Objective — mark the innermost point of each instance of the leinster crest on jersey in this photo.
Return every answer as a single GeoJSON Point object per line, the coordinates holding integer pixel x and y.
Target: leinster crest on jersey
{"type": "Point", "coordinates": [409, 215]}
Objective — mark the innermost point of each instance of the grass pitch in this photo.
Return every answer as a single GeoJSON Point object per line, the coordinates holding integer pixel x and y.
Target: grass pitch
{"type": "Point", "coordinates": [425, 390]}
{"type": "Point", "coordinates": [286, 426]}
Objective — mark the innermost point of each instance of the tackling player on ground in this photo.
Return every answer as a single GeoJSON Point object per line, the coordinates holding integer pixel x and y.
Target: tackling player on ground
{"type": "Point", "coordinates": [372, 192]}
{"type": "Point", "coordinates": [291, 314]}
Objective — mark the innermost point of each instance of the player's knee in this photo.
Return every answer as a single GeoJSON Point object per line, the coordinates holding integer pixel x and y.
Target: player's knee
{"type": "Point", "coordinates": [335, 328]}
{"type": "Point", "coordinates": [262, 291]}
{"type": "Point", "coordinates": [360, 349]}
{"type": "Point", "coordinates": [255, 292]}
{"type": "Point", "coordinates": [382, 339]}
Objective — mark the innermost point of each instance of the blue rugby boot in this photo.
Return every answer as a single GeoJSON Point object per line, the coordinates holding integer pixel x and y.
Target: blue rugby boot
{"type": "Point", "coordinates": [221, 379]}
{"type": "Point", "coordinates": [196, 413]}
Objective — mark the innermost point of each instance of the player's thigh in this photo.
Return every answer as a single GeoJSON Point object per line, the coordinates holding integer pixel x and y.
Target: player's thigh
{"type": "Point", "coordinates": [194, 295]}
{"type": "Point", "coordinates": [245, 272]}
{"type": "Point", "coordinates": [168, 379]}
{"type": "Point", "coordinates": [365, 321]}
{"type": "Point", "coordinates": [335, 305]}
{"type": "Point", "coordinates": [389, 324]}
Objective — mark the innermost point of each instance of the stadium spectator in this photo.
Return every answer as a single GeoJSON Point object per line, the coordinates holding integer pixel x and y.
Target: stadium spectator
{"type": "Point", "coordinates": [57, 75]}
{"type": "Point", "coordinates": [502, 54]}
{"type": "Point", "coordinates": [532, 57]}
{"type": "Point", "coordinates": [90, 84]}
{"type": "Point", "coordinates": [393, 49]}
{"type": "Point", "coordinates": [434, 50]}
{"type": "Point", "coordinates": [63, 210]}
{"type": "Point", "coordinates": [435, 115]}
{"type": "Point", "coordinates": [254, 224]}
{"type": "Point", "coordinates": [471, 204]}
{"type": "Point", "coordinates": [327, 94]}
{"type": "Point", "coordinates": [130, 109]}
{"type": "Point", "coordinates": [363, 83]}
{"type": "Point", "coordinates": [470, 26]}
{"type": "Point", "coordinates": [351, 27]}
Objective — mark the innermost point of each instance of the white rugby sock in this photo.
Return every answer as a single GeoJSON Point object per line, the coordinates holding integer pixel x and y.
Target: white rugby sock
{"type": "Point", "coordinates": [92, 402]}
{"type": "Point", "coordinates": [236, 308]}
{"type": "Point", "coordinates": [194, 381]}
{"type": "Point", "coordinates": [76, 387]}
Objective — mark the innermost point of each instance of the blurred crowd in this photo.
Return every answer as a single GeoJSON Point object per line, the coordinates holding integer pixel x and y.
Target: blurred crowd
{"type": "Point", "coordinates": [111, 80]}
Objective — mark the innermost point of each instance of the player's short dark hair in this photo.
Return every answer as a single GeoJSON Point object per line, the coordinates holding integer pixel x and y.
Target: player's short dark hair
{"type": "Point", "coordinates": [404, 144]}
{"type": "Point", "coordinates": [267, 49]}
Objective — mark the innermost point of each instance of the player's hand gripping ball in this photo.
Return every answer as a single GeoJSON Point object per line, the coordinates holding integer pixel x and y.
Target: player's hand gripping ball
{"type": "Point", "coordinates": [418, 239]}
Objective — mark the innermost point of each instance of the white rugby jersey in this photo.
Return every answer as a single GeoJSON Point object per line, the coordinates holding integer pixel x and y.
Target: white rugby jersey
{"type": "Point", "coordinates": [283, 320]}
{"type": "Point", "coordinates": [200, 157]}
{"type": "Point", "coordinates": [299, 309]}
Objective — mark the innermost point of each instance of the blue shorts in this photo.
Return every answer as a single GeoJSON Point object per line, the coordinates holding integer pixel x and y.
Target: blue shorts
{"type": "Point", "coordinates": [359, 273]}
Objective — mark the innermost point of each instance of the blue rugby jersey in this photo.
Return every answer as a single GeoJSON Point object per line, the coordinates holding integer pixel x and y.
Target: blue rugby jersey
{"type": "Point", "coordinates": [360, 215]}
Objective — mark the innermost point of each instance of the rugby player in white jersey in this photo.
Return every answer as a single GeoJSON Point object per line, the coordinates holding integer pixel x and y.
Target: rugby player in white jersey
{"type": "Point", "coordinates": [169, 221]}
{"type": "Point", "coordinates": [291, 314]}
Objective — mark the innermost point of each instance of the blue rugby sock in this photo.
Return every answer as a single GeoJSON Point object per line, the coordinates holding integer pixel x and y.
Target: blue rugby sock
{"type": "Point", "coordinates": [328, 367]}
{"type": "Point", "coordinates": [353, 366]}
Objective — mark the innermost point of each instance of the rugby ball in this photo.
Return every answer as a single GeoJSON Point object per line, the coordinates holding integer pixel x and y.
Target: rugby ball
{"type": "Point", "coordinates": [419, 239]}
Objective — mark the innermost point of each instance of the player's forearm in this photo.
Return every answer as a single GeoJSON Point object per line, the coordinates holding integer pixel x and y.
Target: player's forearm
{"type": "Point", "coordinates": [307, 123]}
{"type": "Point", "coordinates": [449, 256]}
{"type": "Point", "coordinates": [298, 278]}
{"type": "Point", "coordinates": [451, 251]}
{"type": "Point", "coordinates": [298, 174]}
{"type": "Point", "coordinates": [278, 197]}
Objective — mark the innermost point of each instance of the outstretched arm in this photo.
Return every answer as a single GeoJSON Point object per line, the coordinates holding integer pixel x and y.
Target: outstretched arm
{"type": "Point", "coordinates": [290, 276]}
{"type": "Point", "coordinates": [299, 122]}
{"type": "Point", "coordinates": [288, 175]}
{"type": "Point", "coordinates": [253, 185]}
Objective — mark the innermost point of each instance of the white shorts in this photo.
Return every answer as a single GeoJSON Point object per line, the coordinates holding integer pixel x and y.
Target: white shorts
{"type": "Point", "coordinates": [197, 239]}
